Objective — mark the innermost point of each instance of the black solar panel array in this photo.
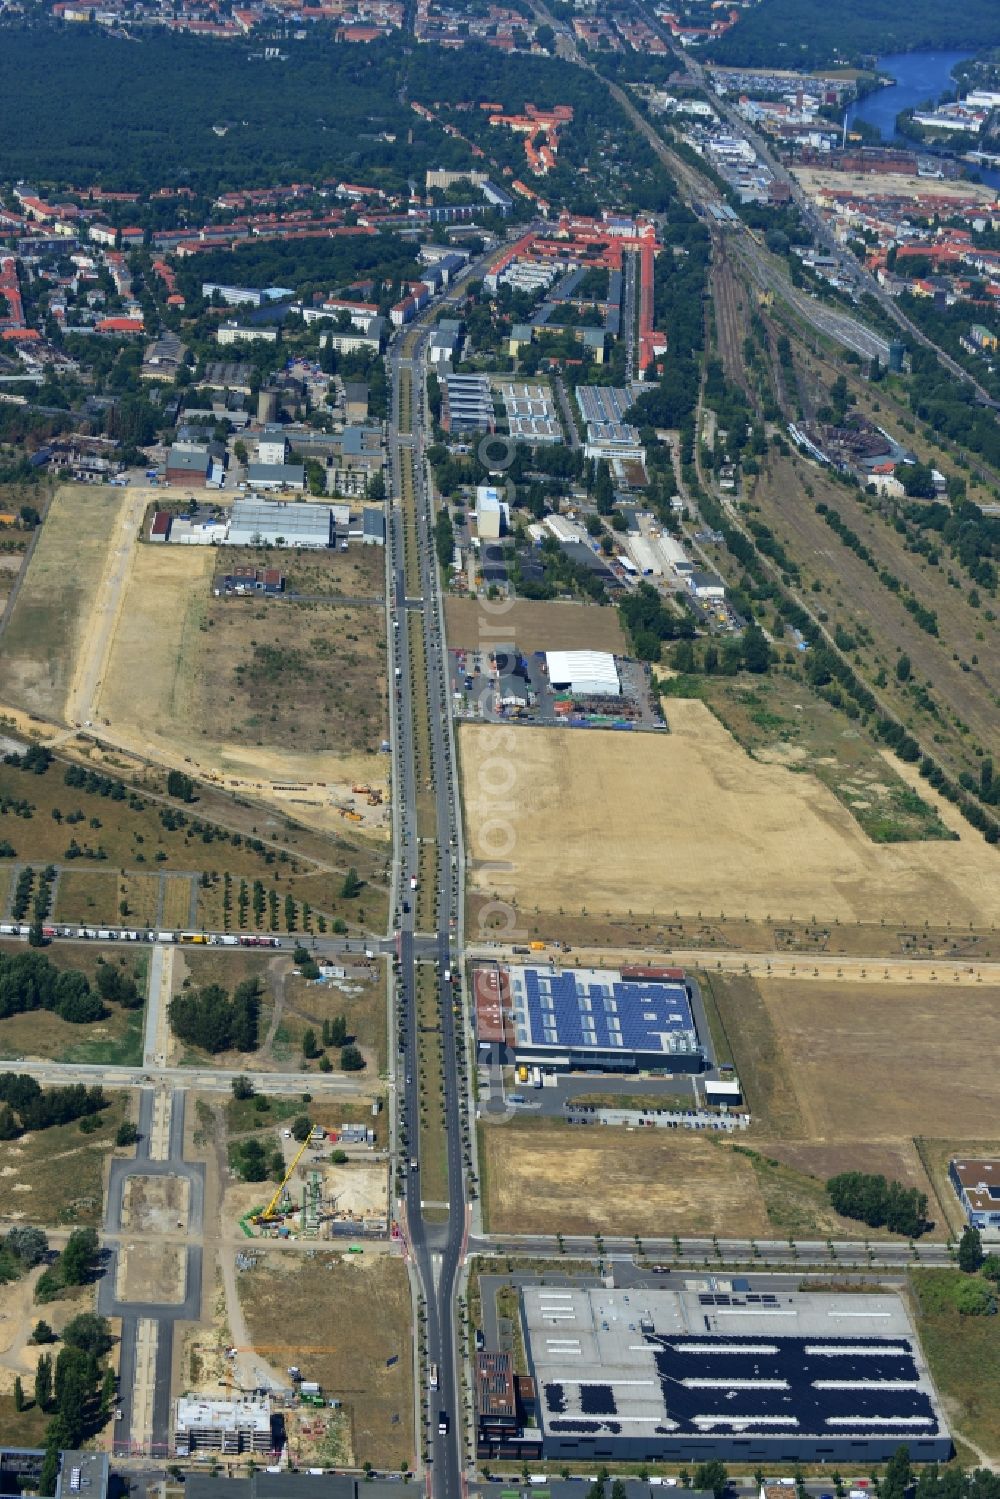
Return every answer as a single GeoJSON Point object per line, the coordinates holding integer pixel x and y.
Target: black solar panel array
{"type": "Point", "coordinates": [747, 1388]}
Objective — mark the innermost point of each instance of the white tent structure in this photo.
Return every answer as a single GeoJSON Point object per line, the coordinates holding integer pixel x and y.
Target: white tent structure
{"type": "Point", "coordinates": [584, 673]}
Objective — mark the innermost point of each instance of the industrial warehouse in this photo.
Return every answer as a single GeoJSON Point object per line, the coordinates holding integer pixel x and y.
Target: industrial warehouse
{"type": "Point", "coordinates": [588, 1019]}
{"type": "Point", "coordinates": [685, 1375]}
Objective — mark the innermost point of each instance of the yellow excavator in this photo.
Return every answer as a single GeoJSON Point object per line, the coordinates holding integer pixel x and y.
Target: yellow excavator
{"type": "Point", "coordinates": [270, 1213]}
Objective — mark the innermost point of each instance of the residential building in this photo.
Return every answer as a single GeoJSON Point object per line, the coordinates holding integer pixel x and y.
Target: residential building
{"type": "Point", "coordinates": [234, 333]}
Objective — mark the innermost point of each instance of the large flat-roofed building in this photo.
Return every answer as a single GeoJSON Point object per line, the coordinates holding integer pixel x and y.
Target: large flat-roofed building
{"type": "Point", "coordinates": [276, 476]}
{"type": "Point", "coordinates": [189, 463]}
{"type": "Point", "coordinates": [604, 1020]}
{"type": "Point", "coordinates": [222, 1425]}
{"type": "Point", "coordinates": [291, 523]}
{"type": "Point", "coordinates": [739, 1375]}
{"type": "Point", "coordinates": [977, 1183]}
{"type": "Point", "coordinates": [584, 673]}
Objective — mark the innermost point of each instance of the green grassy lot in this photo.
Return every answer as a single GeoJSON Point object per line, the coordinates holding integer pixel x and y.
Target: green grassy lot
{"type": "Point", "coordinates": [964, 1357]}
{"type": "Point", "coordinates": [116, 1040]}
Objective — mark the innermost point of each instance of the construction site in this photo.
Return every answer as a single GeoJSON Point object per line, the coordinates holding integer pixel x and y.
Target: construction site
{"type": "Point", "coordinates": [325, 1194]}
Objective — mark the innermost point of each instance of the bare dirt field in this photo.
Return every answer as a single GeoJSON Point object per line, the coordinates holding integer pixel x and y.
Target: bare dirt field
{"type": "Point", "coordinates": [549, 1178]}
{"type": "Point", "coordinates": [347, 1321]}
{"type": "Point", "coordinates": [892, 184]}
{"type": "Point", "coordinates": [58, 596]}
{"type": "Point", "coordinates": [18, 1314]}
{"type": "Point", "coordinates": [199, 681]}
{"type": "Point", "coordinates": [150, 1271]}
{"type": "Point", "coordinates": [155, 1204]}
{"type": "Point", "coordinates": [612, 823]}
{"type": "Point", "coordinates": [532, 625]}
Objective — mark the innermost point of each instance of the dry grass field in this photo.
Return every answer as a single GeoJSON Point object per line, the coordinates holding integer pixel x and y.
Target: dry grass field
{"type": "Point", "coordinates": [887, 1063]}
{"type": "Point", "coordinates": [354, 1311]}
{"type": "Point", "coordinates": [58, 596]}
{"type": "Point", "coordinates": [57, 1175]}
{"type": "Point", "coordinates": [532, 625]}
{"type": "Point", "coordinates": [547, 1177]}
{"type": "Point", "coordinates": [612, 823]}
{"type": "Point", "coordinates": [847, 1075]}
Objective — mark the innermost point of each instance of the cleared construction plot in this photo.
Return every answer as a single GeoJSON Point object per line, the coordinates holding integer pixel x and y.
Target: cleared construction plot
{"type": "Point", "coordinates": [859, 1076]}
{"type": "Point", "coordinates": [532, 625]}
{"type": "Point", "coordinates": [226, 688]}
{"type": "Point", "coordinates": [550, 1178]}
{"type": "Point", "coordinates": [346, 1321]}
{"type": "Point", "coordinates": [59, 596]}
{"type": "Point", "coordinates": [155, 1204]}
{"type": "Point", "coordinates": [781, 721]}
{"type": "Point", "coordinates": [602, 822]}
{"type": "Point", "coordinates": [150, 1271]}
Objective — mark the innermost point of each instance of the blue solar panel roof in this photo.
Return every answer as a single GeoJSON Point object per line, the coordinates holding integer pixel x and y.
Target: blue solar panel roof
{"type": "Point", "coordinates": [588, 1009]}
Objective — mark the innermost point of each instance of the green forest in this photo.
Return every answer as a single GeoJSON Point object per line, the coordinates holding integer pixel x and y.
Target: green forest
{"type": "Point", "coordinates": [802, 34]}
{"type": "Point", "coordinates": [180, 111]}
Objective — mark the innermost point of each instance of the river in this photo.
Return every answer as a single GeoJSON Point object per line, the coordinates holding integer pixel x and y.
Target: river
{"type": "Point", "coordinates": [919, 76]}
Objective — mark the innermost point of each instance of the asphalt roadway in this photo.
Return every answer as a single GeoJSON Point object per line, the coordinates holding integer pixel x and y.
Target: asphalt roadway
{"type": "Point", "coordinates": [131, 1313]}
{"type": "Point", "coordinates": [436, 1248]}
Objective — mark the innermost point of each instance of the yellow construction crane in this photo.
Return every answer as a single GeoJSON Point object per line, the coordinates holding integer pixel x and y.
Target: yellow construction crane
{"type": "Point", "coordinates": [269, 1215]}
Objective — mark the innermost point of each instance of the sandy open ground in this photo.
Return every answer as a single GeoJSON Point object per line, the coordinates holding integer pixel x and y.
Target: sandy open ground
{"type": "Point", "coordinates": [891, 185]}
{"type": "Point", "coordinates": [61, 589]}
{"type": "Point", "coordinates": [150, 1271]}
{"type": "Point", "coordinates": [688, 822]}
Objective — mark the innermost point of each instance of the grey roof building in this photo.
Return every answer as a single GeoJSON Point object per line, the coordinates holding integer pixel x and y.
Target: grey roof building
{"type": "Point", "coordinates": [731, 1372]}
{"type": "Point", "coordinates": [373, 533]}
{"type": "Point", "coordinates": [276, 475]}
{"type": "Point", "coordinates": [280, 523]}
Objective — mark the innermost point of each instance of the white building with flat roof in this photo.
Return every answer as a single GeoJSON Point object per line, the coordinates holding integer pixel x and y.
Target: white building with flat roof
{"type": "Point", "coordinates": [584, 673]}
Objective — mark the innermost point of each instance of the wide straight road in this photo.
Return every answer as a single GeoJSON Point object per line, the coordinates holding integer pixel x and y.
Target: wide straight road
{"type": "Point", "coordinates": [414, 592]}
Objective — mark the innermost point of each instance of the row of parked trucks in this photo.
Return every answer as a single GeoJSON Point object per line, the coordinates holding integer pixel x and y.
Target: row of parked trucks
{"type": "Point", "coordinates": [121, 934]}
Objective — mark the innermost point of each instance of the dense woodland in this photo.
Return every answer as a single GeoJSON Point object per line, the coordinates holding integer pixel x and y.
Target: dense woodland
{"type": "Point", "coordinates": [802, 34]}
{"type": "Point", "coordinates": [136, 114]}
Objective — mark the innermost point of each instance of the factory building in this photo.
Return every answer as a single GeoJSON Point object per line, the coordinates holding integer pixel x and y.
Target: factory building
{"type": "Point", "coordinates": [603, 1020]}
{"type": "Point", "coordinates": [742, 1375]}
{"type": "Point", "coordinates": [280, 523]}
{"type": "Point", "coordinates": [583, 673]}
